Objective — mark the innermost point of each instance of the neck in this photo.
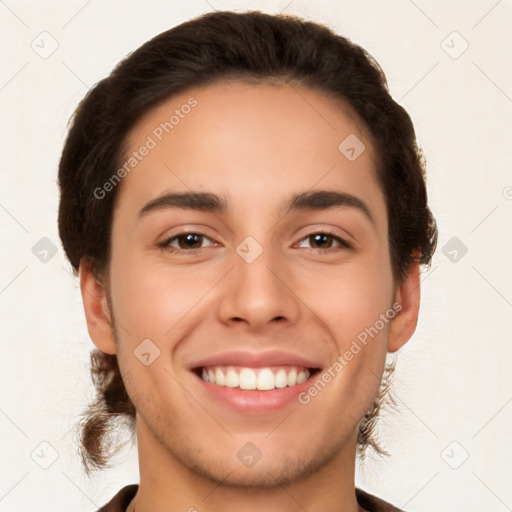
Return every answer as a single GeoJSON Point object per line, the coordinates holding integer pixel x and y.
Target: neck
{"type": "Point", "coordinates": [167, 485]}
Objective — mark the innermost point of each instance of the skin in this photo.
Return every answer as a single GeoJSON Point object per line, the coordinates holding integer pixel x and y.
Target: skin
{"type": "Point", "coordinates": [256, 145]}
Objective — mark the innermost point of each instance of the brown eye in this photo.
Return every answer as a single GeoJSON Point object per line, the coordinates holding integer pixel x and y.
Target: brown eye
{"type": "Point", "coordinates": [324, 241]}
{"type": "Point", "coordinates": [186, 242]}
{"type": "Point", "coordinates": [190, 241]}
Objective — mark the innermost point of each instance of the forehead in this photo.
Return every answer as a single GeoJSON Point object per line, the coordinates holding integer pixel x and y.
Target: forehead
{"type": "Point", "coordinates": [288, 111]}
{"type": "Point", "coordinates": [249, 141]}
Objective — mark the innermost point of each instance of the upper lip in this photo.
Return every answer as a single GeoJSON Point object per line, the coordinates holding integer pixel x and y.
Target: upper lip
{"type": "Point", "coordinates": [255, 360]}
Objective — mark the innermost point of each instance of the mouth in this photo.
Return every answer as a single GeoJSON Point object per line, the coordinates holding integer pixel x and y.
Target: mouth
{"type": "Point", "coordinates": [254, 383]}
{"type": "Point", "coordinates": [261, 379]}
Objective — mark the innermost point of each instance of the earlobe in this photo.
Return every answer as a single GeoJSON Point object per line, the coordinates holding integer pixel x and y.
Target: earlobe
{"type": "Point", "coordinates": [402, 327]}
{"type": "Point", "coordinates": [97, 314]}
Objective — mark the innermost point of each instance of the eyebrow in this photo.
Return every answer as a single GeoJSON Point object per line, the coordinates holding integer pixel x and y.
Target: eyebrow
{"type": "Point", "coordinates": [208, 202]}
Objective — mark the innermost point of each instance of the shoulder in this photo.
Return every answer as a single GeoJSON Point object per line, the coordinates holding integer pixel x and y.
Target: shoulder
{"type": "Point", "coordinates": [121, 500]}
{"type": "Point", "coordinates": [373, 504]}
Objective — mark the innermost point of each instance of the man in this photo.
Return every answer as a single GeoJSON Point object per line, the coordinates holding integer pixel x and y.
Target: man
{"type": "Point", "coordinates": [246, 207]}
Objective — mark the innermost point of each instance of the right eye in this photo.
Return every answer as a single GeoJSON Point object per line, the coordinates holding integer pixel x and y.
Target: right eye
{"type": "Point", "coordinates": [185, 242]}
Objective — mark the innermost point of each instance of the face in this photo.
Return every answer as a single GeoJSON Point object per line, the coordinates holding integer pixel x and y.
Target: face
{"type": "Point", "coordinates": [250, 282]}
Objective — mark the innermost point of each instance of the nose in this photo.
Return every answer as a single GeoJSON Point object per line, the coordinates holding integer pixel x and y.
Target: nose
{"type": "Point", "coordinates": [258, 294]}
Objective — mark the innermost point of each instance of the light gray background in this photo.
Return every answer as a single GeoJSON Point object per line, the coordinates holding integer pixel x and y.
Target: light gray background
{"type": "Point", "coordinates": [453, 383]}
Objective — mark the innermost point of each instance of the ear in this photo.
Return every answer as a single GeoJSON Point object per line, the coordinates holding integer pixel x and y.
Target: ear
{"type": "Point", "coordinates": [403, 325]}
{"type": "Point", "coordinates": [97, 314]}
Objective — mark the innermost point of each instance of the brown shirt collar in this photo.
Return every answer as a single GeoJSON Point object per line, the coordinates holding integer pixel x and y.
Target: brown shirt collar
{"type": "Point", "coordinates": [122, 499]}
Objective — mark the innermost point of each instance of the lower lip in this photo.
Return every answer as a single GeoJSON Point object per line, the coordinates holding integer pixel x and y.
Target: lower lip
{"type": "Point", "coordinates": [255, 401]}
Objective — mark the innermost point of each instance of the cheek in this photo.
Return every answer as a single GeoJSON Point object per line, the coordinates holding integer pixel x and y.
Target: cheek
{"type": "Point", "coordinates": [352, 303]}
{"type": "Point", "coordinates": [350, 298]}
{"type": "Point", "coordinates": [151, 299]}
{"type": "Point", "coordinates": [353, 309]}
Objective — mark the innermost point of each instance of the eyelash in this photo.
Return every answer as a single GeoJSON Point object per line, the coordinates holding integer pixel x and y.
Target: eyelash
{"type": "Point", "coordinates": [165, 245]}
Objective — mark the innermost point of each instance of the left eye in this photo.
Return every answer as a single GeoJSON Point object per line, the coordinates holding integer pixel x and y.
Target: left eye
{"type": "Point", "coordinates": [323, 241]}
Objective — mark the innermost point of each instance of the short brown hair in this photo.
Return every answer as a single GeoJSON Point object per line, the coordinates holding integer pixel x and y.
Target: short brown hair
{"type": "Point", "coordinates": [250, 46]}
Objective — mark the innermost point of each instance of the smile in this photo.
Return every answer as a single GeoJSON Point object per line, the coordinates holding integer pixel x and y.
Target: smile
{"type": "Point", "coordinates": [254, 383]}
{"type": "Point", "coordinates": [262, 379]}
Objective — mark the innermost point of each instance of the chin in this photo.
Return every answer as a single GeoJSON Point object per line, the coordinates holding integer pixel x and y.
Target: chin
{"type": "Point", "coordinates": [264, 474]}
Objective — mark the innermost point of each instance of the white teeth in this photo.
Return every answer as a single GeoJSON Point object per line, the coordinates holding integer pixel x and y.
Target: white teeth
{"type": "Point", "coordinates": [263, 379]}
{"type": "Point", "coordinates": [219, 377]}
{"type": "Point", "coordinates": [247, 379]}
{"type": "Point", "coordinates": [266, 380]}
{"type": "Point", "coordinates": [281, 379]}
{"type": "Point", "coordinates": [301, 377]}
{"type": "Point", "coordinates": [232, 379]}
